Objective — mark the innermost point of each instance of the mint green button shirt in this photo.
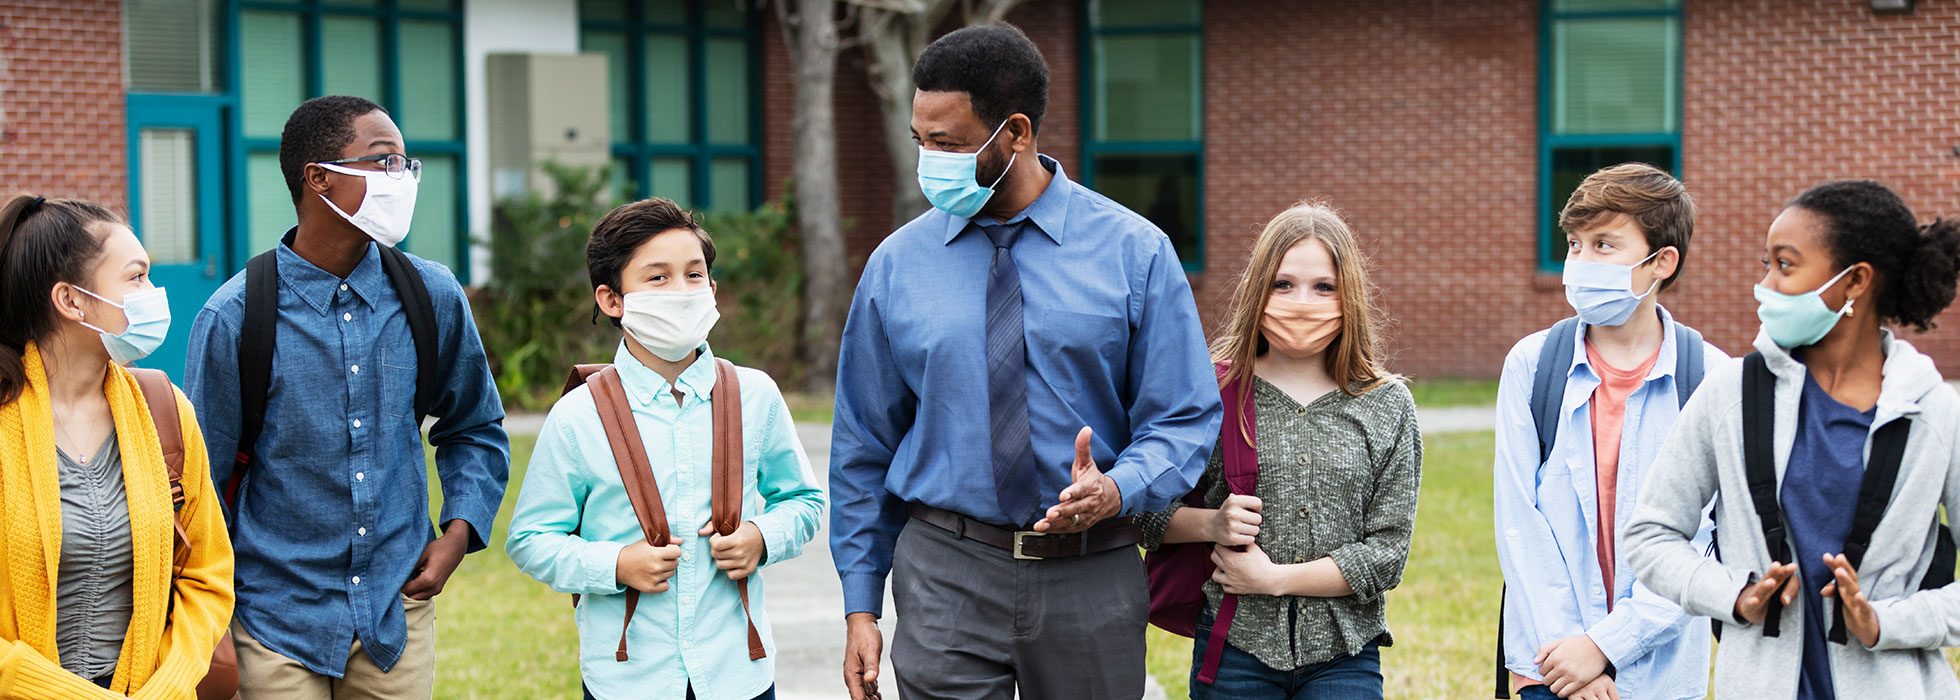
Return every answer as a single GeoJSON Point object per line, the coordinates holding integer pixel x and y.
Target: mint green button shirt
{"type": "Point", "coordinates": [693, 634]}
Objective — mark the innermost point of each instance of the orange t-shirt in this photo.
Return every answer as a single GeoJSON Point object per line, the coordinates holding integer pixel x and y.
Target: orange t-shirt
{"type": "Point", "coordinates": [1609, 412]}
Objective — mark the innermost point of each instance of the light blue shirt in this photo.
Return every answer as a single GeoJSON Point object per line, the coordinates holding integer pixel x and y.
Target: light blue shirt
{"type": "Point", "coordinates": [1114, 343]}
{"type": "Point", "coordinates": [1547, 528]}
{"type": "Point", "coordinates": [693, 634]}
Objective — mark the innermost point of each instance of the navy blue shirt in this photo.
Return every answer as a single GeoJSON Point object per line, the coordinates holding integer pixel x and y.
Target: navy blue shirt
{"type": "Point", "coordinates": [1819, 496]}
{"type": "Point", "coordinates": [333, 515]}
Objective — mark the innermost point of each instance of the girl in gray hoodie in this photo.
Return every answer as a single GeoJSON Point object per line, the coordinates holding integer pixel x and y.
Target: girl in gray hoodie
{"type": "Point", "coordinates": [1844, 260]}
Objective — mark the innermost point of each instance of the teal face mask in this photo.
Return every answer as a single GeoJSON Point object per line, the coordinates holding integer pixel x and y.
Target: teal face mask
{"type": "Point", "coordinates": [1797, 320]}
{"type": "Point", "coordinates": [148, 313]}
{"type": "Point", "coordinates": [951, 180]}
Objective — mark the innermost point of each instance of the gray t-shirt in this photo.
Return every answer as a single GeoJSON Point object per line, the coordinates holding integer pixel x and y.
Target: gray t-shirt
{"type": "Point", "coordinates": [93, 595]}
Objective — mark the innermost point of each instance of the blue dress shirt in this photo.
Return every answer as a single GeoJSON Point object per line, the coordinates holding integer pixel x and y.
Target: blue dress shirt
{"type": "Point", "coordinates": [334, 513]}
{"type": "Point", "coordinates": [1114, 343]}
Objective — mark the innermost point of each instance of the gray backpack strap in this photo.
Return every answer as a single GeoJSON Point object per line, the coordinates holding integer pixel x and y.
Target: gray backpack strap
{"type": "Point", "coordinates": [1548, 383]}
{"type": "Point", "coordinates": [1688, 359]}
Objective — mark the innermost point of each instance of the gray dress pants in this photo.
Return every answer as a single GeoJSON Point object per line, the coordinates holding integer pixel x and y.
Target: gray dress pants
{"type": "Point", "coordinates": [974, 623]}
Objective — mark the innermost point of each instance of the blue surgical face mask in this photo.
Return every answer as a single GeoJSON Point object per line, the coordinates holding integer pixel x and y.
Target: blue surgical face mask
{"type": "Point", "coordinates": [1602, 293]}
{"type": "Point", "coordinates": [148, 313]}
{"type": "Point", "coordinates": [951, 181]}
{"type": "Point", "coordinates": [1797, 320]}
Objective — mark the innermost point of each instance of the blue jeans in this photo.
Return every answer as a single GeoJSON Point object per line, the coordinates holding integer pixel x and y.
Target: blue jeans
{"type": "Point", "coordinates": [769, 694]}
{"type": "Point", "coordinates": [1242, 676]}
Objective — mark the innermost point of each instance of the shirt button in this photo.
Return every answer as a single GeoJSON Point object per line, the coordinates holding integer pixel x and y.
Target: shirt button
{"type": "Point", "coordinates": [1303, 511]}
{"type": "Point", "coordinates": [355, 369]}
{"type": "Point", "coordinates": [1299, 560]}
{"type": "Point", "coordinates": [346, 317]}
{"type": "Point", "coordinates": [362, 532]}
{"type": "Point", "coordinates": [357, 580]}
{"type": "Point", "coordinates": [343, 287]}
{"type": "Point", "coordinates": [1300, 411]}
{"type": "Point", "coordinates": [360, 476]}
{"type": "Point", "coordinates": [1302, 460]}
{"type": "Point", "coordinates": [357, 422]}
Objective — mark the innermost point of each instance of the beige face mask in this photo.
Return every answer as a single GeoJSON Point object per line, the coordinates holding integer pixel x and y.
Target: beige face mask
{"type": "Point", "coordinates": [1299, 329]}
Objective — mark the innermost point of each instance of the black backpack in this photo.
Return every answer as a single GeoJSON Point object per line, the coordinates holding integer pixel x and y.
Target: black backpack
{"type": "Point", "coordinates": [1548, 400]}
{"type": "Point", "coordinates": [1888, 449]}
{"type": "Point", "coordinates": [261, 327]}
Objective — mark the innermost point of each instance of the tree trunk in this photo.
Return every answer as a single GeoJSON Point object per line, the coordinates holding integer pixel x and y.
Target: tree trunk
{"type": "Point", "coordinates": [810, 28]}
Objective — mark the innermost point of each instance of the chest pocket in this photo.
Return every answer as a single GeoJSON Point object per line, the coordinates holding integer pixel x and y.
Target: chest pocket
{"type": "Point", "coordinates": [398, 371]}
{"type": "Point", "coordinates": [1072, 347]}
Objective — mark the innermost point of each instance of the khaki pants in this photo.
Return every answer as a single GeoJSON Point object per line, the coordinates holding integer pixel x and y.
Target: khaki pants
{"type": "Point", "coordinates": [264, 674]}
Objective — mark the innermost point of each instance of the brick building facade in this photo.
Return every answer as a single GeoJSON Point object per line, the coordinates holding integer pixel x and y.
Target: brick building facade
{"type": "Point", "coordinates": [61, 99]}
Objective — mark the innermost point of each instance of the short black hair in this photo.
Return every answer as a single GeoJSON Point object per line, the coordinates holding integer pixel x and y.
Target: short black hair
{"type": "Point", "coordinates": [319, 130]}
{"type": "Point", "coordinates": [995, 65]}
{"type": "Point", "coordinates": [1918, 266]}
{"type": "Point", "coordinates": [622, 231]}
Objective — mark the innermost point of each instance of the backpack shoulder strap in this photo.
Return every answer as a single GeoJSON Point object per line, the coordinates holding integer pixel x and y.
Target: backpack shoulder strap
{"type": "Point", "coordinates": [1888, 450]}
{"type": "Point", "coordinates": [635, 472]}
{"type": "Point", "coordinates": [1548, 383]}
{"type": "Point", "coordinates": [261, 326]}
{"type": "Point", "coordinates": [1759, 463]}
{"type": "Point", "coordinates": [1689, 361]}
{"type": "Point", "coordinates": [726, 504]}
{"type": "Point", "coordinates": [161, 397]}
{"type": "Point", "coordinates": [1241, 458]}
{"type": "Point", "coordinates": [421, 312]}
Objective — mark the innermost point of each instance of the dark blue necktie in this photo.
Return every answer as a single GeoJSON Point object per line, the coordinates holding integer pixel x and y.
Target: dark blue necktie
{"type": "Point", "coordinates": [1015, 483]}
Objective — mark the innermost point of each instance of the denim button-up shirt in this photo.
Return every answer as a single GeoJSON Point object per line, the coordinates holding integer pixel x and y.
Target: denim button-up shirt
{"type": "Point", "coordinates": [1113, 341]}
{"type": "Point", "coordinates": [1547, 523]}
{"type": "Point", "coordinates": [334, 512]}
{"type": "Point", "coordinates": [573, 517]}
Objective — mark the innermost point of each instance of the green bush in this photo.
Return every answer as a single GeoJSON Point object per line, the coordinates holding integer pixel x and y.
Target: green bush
{"type": "Point", "coordinates": [535, 311]}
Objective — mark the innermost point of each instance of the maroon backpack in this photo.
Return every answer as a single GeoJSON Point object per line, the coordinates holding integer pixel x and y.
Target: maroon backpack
{"type": "Point", "coordinates": [1178, 572]}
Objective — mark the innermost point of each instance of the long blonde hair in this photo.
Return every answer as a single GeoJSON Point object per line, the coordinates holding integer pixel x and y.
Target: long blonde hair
{"type": "Point", "coordinates": [1356, 361]}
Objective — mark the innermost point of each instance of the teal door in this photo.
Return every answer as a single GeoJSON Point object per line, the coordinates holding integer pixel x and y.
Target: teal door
{"type": "Point", "coordinates": [177, 206]}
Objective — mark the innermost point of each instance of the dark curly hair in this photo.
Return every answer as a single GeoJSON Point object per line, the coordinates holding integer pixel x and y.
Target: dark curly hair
{"type": "Point", "coordinates": [995, 65]}
{"type": "Point", "coordinates": [1917, 266]}
{"type": "Point", "coordinates": [319, 130]}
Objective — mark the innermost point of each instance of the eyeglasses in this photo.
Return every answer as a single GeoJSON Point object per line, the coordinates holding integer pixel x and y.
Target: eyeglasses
{"type": "Point", "coordinates": [392, 163]}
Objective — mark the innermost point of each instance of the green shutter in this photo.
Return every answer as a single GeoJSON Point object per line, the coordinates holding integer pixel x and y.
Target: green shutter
{"type": "Point", "coordinates": [728, 91]}
{"type": "Point", "coordinates": [350, 56]}
{"type": "Point", "coordinates": [667, 100]}
{"type": "Point", "coordinates": [1148, 88]}
{"type": "Point", "coordinates": [1615, 75]}
{"type": "Point", "coordinates": [429, 108]}
{"type": "Point", "coordinates": [271, 76]}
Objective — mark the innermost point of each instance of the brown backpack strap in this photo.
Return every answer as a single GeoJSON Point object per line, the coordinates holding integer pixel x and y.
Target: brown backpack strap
{"type": "Point", "coordinates": [635, 472]}
{"type": "Point", "coordinates": [726, 506]}
{"type": "Point", "coordinates": [161, 396]}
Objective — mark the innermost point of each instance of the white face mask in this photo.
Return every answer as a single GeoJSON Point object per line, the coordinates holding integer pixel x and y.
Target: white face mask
{"type": "Point", "coordinates": [671, 325]}
{"type": "Point", "coordinates": [385, 209]}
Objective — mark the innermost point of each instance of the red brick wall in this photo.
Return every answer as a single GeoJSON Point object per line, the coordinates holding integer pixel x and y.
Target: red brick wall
{"type": "Point", "coordinates": [864, 171]}
{"type": "Point", "coordinates": [1782, 95]}
{"type": "Point", "coordinates": [61, 100]}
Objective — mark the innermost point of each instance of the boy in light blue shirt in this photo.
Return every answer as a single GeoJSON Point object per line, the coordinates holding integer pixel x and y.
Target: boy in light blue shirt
{"type": "Point", "coordinates": [575, 528]}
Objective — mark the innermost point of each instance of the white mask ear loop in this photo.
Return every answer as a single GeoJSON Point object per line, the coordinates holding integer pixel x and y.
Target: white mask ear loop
{"type": "Point", "coordinates": [1657, 281]}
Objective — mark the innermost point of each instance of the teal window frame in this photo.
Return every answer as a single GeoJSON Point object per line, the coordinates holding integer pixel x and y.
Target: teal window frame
{"type": "Point", "coordinates": [634, 147]}
{"type": "Point", "coordinates": [1551, 242]}
{"type": "Point", "coordinates": [389, 16]}
{"type": "Point", "coordinates": [1092, 148]}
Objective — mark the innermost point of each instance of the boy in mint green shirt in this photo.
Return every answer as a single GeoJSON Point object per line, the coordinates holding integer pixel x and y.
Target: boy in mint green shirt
{"type": "Point", "coordinates": [574, 527]}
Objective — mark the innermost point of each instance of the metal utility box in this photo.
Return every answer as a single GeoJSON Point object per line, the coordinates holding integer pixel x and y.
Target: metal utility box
{"type": "Point", "coordinates": [544, 108]}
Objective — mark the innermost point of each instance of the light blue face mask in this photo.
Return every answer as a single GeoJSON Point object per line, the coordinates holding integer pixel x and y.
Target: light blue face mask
{"type": "Point", "coordinates": [951, 180]}
{"type": "Point", "coordinates": [148, 312]}
{"type": "Point", "coordinates": [1602, 293]}
{"type": "Point", "coordinates": [1797, 320]}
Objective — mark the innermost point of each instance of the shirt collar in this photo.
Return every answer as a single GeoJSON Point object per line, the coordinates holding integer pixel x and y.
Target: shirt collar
{"type": "Point", "coordinates": [316, 286]}
{"type": "Point", "coordinates": [1663, 366]}
{"type": "Point", "coordinates": [696, 382]}
{"type": "Point", "coordinates": [1048, 212]}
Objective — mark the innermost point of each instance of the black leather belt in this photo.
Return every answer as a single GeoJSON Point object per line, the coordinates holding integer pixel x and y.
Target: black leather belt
{"type": "Point", "coordinates": [1114, 533]}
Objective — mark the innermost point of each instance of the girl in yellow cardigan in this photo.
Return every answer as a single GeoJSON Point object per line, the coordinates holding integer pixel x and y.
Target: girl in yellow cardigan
{"type": "Point", "coordinates": [92, 602]}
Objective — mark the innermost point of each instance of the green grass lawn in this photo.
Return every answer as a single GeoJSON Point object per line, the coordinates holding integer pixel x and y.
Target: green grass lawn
{"type": "Point", "coordinates": [1443, 393]}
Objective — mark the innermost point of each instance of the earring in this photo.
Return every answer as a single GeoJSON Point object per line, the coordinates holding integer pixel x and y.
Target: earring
{"type": "Point", "coordinates": [1848, 311]}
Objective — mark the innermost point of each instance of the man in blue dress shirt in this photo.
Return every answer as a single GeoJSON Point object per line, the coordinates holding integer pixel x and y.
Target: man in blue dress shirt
{"type": "Point", "coordinates": [337, 565]}
{"type": "Point", "coordinates": [1023, 369]}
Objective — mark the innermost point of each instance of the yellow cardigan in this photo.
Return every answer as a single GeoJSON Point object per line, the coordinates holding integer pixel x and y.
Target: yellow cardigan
{"type": "Point", "coordinates": [174, 624]}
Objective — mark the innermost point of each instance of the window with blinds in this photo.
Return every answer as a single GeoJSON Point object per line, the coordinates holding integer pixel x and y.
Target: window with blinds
{"type": "Point", "coordinates": [170, 46]}
{"type": "Point", "coordinates": [167, 172]}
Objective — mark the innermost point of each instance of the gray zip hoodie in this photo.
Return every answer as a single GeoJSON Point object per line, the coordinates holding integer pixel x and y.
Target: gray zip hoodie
{"type": "Point", "coordinates": [1703, 457]}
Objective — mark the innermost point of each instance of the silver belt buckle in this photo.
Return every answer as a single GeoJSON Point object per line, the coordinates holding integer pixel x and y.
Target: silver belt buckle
{"type": "Point", "coordinates": [1020, 536]}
